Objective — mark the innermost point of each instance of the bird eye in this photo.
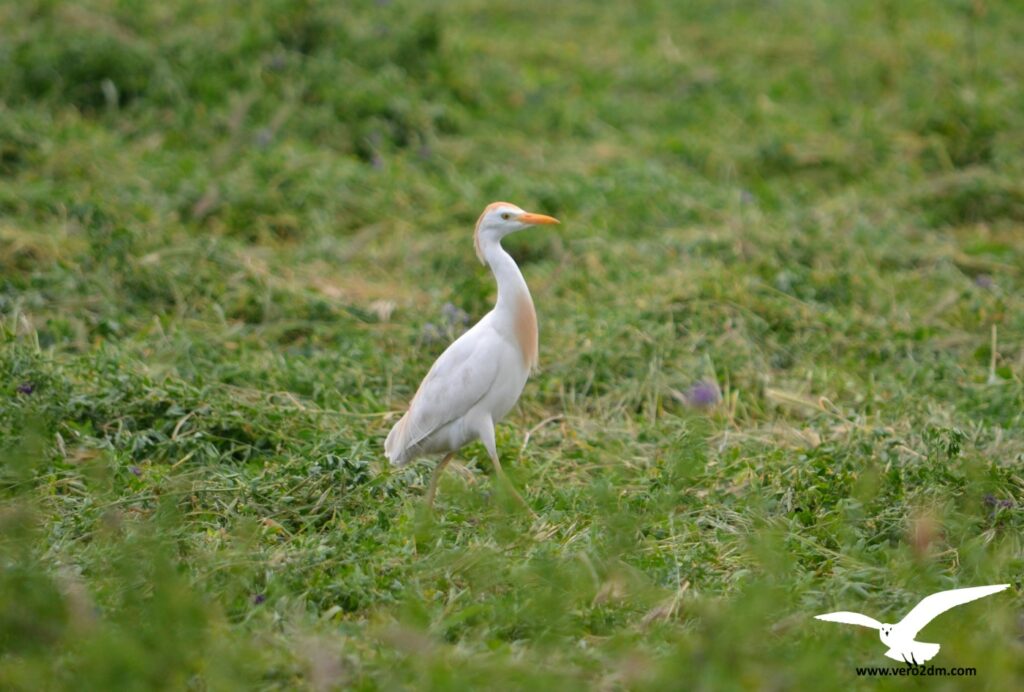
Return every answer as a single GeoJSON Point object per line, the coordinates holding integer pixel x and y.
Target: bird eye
{"type": "Point", "coordinates": [506, 216]}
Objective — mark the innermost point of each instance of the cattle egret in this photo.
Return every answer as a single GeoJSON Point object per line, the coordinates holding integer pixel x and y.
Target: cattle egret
{"type": "Point", "coordinates": [479, 377]}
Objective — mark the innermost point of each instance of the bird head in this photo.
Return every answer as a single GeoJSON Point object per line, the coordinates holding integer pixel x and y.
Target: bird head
{"type": "Point", "coordinates": [884, 631]}
{"type": "Point", "coordinates": [501, 218]}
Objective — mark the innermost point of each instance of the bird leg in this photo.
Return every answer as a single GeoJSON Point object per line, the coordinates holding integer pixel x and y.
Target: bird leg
{"type": "Point", "coordinates": [504, 479]}
{"type": "Point", "coordinates": [432, 490]}
{"type": "Point", "coordinates": [486, 432]}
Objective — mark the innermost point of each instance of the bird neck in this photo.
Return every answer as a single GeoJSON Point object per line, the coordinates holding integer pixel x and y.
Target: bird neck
{"type": "Point", "coordinates": [511, 284]}
{"type": "Point", "coordinates": [514, 309]}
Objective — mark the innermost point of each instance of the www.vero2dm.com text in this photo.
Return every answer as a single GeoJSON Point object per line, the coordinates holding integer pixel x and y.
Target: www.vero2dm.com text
{"type": "Point", "coordinates": [915, 671]}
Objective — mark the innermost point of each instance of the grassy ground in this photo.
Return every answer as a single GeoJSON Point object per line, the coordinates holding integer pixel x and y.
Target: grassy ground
{"type": "Point", "coordinates": [228, 235]}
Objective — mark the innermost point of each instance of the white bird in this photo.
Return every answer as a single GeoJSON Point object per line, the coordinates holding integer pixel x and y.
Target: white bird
{"type": "Point", "coordinates": [479, 377]}
{"type": "Point", "coordinates": [900, 637]}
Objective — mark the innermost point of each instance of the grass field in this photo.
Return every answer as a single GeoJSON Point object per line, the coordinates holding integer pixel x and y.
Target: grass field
{"type": "Point", "coordinates": [234, 236]}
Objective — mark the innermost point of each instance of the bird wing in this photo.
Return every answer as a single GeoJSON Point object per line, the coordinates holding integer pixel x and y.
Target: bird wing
{"type": "Point", "coordinates": [459, 378]}
{"type": "Point", "coordinates": [932, 606]}
{"type": "Point", "coordinates": [848, 618]}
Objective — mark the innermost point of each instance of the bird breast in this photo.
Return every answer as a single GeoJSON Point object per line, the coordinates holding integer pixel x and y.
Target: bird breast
{"type": "Point", "coordinates": [507, 388]}
{"type": "Point", "coordinates": [525, 328]}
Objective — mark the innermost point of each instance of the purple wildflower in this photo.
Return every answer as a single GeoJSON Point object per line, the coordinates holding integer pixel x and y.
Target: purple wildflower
{"type": "Point", "coordinates": [136, 471]}
{"type": "Point", "coordinates": [984, 281]}
{"type": "Point", "coordinates": [26, 388]}
{"type": "Point", "coordinates": [259, 598]}
{"type": "Point", "coordinates": [703, 394]}
{"type": "Point", "coordinates": [993, 501]}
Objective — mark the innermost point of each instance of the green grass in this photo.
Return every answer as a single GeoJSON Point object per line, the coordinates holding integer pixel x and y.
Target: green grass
{"type": "Point", "coordinates": [228, 232]}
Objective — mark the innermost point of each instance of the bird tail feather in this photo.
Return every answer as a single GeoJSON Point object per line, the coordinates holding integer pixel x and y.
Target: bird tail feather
{"type": "Point", "coordinates": [925, 651]}
{"type": "Point", "coordinates": [916, 652]}
{"type": "Point", "coordinates": [394, 448]}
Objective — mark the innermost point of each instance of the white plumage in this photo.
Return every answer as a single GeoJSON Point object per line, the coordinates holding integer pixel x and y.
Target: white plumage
{"type": "Point", "coordinates": [479, 377]}
{"type": "Point", "coordinates": [901, 637]}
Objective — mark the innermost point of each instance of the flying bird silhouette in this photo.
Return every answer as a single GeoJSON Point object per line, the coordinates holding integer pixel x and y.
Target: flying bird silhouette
{"type": "Point", "coordinates": [900, 637]}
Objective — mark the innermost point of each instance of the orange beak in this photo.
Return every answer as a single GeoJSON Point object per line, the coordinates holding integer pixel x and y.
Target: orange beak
{"type": "Point", "coordinates": [538, 219]}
